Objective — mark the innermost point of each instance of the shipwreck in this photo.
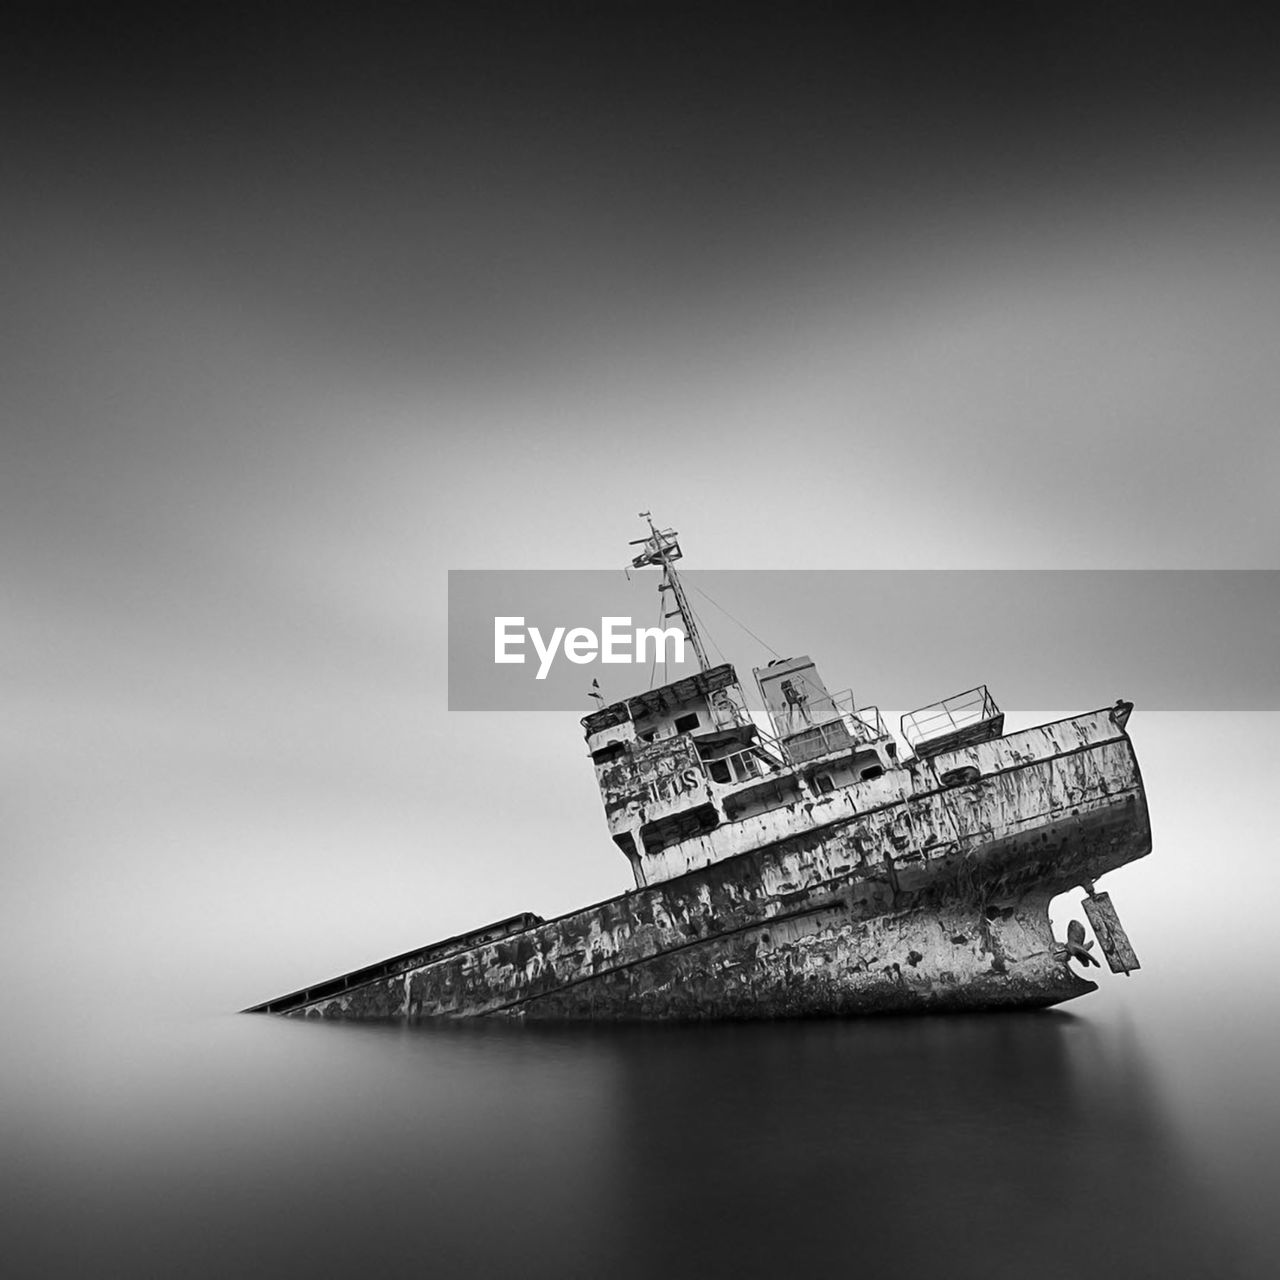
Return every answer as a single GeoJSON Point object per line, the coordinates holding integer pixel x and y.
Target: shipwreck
{"type": "Point", "coordinates": [802, 861]}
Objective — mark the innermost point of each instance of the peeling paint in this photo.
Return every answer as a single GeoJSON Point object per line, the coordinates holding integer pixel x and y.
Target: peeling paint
{"type": "Point", "coordinates": [914, 896]}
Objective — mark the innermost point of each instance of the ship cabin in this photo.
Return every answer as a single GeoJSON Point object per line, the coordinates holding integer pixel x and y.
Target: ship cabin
{"type": "Point", "coordinates": [688, 776]}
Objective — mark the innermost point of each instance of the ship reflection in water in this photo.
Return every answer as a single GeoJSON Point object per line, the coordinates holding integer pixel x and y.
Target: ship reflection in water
{"type": "Point", "coordinates": [1020, 1144]}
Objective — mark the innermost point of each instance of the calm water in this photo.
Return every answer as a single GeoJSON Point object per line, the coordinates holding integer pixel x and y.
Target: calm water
{"type": "Point", "coordinates": [1128, 1140]}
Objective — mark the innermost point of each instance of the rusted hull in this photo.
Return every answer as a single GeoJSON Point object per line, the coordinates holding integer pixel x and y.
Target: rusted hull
{"type": "Point", "coordinates": [934, 900]}
{"type": "Point", "coordinates": [824, 965]}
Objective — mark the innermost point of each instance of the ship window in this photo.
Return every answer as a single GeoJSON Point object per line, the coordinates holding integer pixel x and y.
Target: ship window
{"type": "Point", "coordinates": [611, 751]}
{"type": "Point", "coordinates": [648, 737]}
{"type": "Point", "coordinates": [719, 770]}
{"type": "Point", "coordinates": [687, 724]}
{"type": "Point", "coordinates": [824, 784]}
{"type": "Point", "coordinates": [871, 771]}
{"type": "Point", "coordinates": [662, 834]}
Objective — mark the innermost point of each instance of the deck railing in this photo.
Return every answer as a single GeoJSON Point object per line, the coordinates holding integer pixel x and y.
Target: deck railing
{"type": "Point", "coordinates": [950, 716]}
{"type": "Point", "coordinates": [848, 726]}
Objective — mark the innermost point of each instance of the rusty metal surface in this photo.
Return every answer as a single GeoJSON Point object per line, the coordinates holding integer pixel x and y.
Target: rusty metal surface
{"type": "Point", "coordinates": [1112, 939]}
{"type": "Point", "coordinates": [402, 963]}
{"type": "Point", "coordinates": [827, 964]}
{"type": "Point", "coordinates": [657, 779]}
{"type": "Point", "coordinates": [689, 689]}
{"type": "Point", "coordinates": [858, 913]}
{"type": "Point", "coordinates": [1051, 768]}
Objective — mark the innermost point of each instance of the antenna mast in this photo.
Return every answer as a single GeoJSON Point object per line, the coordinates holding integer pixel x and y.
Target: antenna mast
{"type": "Point", "coordinates": [662, 548]}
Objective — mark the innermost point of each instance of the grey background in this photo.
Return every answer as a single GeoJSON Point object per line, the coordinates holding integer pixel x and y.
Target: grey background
{"type": "Point", "coordinates": [306, 305]}
{"type": "Point", "coordinates": [306, 308]}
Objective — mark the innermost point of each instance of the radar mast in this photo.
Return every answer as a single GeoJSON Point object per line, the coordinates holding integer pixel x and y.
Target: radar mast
{"type": "Point", "coordinates": [662, 549]}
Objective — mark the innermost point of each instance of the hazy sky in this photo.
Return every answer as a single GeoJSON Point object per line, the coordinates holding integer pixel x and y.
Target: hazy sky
{"type": "Point", "coordinates": [304, 307]}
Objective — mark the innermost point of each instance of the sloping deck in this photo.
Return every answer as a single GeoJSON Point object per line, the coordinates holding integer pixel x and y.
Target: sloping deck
{"type": "Point", "coordinates": [400, 964]}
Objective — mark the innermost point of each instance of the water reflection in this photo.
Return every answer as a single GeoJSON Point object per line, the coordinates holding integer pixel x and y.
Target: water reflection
{"type": "Point", "coordinates": [961, 1146]}
{"type": "Point", "coordinates": [966, 1146]}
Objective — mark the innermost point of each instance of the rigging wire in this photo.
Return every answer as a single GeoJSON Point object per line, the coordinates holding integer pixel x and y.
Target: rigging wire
{"type": "Point", "coordinates": [736, 622]}
{"type": "Point", "coordinates": [704, 631]}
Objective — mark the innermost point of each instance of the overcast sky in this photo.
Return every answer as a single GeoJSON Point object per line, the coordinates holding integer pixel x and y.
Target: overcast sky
{"type": "Point", "coordinates": [305, 307]}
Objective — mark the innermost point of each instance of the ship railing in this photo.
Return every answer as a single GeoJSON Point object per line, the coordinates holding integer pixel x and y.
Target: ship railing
{"type": "Point", "coordinates": [843, 725]}
{"type": "Point", "coordinates": [863, 723]}
{"type": "Point", "coordinates": [866, 723]}
{"type": "Point", "coordinates": [955, 716]}
{"type": "Point", "coordinates": [728, 711]}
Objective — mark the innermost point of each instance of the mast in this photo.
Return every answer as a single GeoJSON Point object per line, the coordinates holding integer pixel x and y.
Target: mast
{"type": "Point", "coordinates": [662, 548]}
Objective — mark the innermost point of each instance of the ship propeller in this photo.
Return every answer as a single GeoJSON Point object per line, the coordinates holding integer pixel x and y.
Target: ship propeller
{"type": "Point", "coordinates": [1077, 948]}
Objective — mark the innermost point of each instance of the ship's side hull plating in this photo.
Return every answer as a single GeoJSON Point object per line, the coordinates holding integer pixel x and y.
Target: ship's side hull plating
{"type": "Point", "coordinates": [824, 964]}
{"type": "Point", "coordinates": [921, 897]}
